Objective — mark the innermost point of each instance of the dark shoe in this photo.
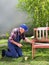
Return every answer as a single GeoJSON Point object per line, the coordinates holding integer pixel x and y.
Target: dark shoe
{"type": "Point", "coordinates": [3, 53]}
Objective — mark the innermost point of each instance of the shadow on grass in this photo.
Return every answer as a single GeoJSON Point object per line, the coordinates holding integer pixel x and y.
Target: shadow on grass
{"type": "Point", "coordinates": [7, 59]}
{"type": "Point", "coordinates": [41, 58]}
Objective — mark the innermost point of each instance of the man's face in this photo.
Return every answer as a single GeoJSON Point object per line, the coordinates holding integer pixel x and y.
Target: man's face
{"type": "Point", "coordinates": [22, 30]}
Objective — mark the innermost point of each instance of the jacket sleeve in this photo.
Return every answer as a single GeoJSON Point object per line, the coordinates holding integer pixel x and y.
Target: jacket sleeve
{"type": "Point", "coordinates": [13, 34]}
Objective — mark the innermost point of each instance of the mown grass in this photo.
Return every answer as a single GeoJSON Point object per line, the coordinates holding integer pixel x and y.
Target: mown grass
{"type": "Point", "coordinates": [41, 56]}
{"type": "Point", "coordinates": [3, 41]}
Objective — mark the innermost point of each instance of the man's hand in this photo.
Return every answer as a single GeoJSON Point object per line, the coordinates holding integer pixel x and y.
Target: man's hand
{"type": "Point", "coordinates": [19, 45]}
{"type": "Point", "coordinates": [31, 41]}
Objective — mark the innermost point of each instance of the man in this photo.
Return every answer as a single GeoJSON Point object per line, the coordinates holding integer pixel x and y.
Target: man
{"type": "Point", "coordinates": [14, 45]}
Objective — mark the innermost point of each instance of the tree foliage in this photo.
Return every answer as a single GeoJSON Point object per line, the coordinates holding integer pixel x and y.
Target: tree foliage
{"type": "Point", "coordinates": [38, 10]}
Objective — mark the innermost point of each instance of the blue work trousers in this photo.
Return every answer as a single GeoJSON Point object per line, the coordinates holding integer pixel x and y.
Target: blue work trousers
{"type": "Point", "coordinates": [14, 51]}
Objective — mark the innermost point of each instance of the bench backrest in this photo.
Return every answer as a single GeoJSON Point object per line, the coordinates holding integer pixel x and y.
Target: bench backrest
{"type": "Point", "coordinates": [41, 32]}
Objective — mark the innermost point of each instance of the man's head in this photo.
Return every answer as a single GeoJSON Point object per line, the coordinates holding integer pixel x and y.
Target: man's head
{"type": "Point", "coordinates": [23, 28]}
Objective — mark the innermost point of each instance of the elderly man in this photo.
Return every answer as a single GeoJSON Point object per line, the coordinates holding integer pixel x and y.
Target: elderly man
{"type": "Point", "coordinates": [14, 45]}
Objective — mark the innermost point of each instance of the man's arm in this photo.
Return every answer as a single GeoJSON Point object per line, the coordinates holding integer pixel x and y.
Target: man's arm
{"type": "Point", "coordinates": [27, 40]}
{"type": "Point", "coordinates": [16, 43]}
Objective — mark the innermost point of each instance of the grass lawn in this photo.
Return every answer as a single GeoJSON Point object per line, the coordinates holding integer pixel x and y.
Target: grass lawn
{"type": "Point", "coordinates": [41, 56]}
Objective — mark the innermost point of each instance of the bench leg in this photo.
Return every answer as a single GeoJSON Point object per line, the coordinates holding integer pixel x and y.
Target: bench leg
{"type": "Point", "coordinates": [33, 49]}
{"type": "Point", "coordinates": [33, 52]}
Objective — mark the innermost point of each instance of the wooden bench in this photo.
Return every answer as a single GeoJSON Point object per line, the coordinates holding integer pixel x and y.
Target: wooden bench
{"type": "Point", "coordinates": [41, 39]}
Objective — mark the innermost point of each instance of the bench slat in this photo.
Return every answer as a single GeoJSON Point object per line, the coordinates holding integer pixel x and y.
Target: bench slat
{"type": "Point", "coordinates": [41, 46]}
